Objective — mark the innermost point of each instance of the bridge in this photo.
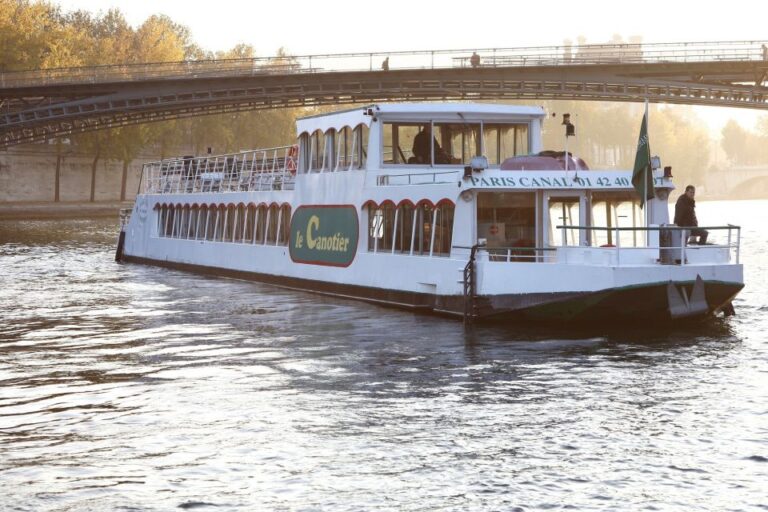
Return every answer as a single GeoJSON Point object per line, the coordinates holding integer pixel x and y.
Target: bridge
{"type": "Point", "coordinates": [741, 181]}
{"type": "Point", "coordinates": [42, 104]}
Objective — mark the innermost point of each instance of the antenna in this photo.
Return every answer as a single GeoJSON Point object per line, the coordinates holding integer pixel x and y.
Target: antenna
{"type": "Point", "coordinates": [570, 131]}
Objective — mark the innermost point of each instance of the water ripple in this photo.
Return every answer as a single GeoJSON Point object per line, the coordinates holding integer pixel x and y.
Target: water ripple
{"type": "Point", "coordinates": [134, 388]}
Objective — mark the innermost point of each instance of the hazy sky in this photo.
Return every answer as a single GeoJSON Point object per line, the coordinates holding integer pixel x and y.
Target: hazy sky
{"type": "Point", "coordinates": [304, 27]}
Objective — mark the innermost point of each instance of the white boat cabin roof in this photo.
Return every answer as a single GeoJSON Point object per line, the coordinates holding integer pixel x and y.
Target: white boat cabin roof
{"type": "Point", "coordinates": [417, 112]}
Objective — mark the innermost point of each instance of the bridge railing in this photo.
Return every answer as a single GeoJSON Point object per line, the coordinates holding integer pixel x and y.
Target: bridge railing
{"type": "Point", "coordinates": [383, 61]}
{"type": "Point", "coordinates": [259, 169]}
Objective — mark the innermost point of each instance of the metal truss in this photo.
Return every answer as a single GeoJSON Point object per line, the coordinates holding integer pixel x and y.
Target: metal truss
{"type": "Point", "coordinates": [36, 113]}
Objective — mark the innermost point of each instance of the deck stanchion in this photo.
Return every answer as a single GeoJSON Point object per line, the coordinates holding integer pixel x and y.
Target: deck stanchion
{"type": "Point", "coordinates": [683, 245]}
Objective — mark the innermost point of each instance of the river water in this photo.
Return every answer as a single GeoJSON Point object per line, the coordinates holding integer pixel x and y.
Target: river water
{"type": "Point", "coordinates": [127, 387]}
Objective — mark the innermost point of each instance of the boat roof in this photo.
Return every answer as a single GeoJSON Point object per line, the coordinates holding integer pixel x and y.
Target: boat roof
{"type": "Point", "coordinates": [446, 112]}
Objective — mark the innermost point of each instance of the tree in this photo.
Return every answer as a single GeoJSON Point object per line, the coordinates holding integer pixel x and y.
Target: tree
{"type": "Point", "coordinates": [159, 39]}
{"type": "Point", "coordinates": [34, 36]}
{"type": "Point", "coordinates": [678, 136]}
{"type": "Point", "coordinates": [734, 142]}
{"type": "Point", "coordinates": [128, 142]}
{"type": "Point", "coordinates": [97, 144]}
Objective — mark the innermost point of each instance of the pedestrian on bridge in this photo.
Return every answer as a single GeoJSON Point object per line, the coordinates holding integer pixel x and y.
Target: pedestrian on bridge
{"type": "Point", "coordinates": [385, 64]}
{"type": "Point", "coordinates": [474, 60]}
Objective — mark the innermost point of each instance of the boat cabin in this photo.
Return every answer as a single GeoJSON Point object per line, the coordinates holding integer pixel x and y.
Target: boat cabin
{"type": "Point", "coordinates": [428, 193]}
{"type": "Point", "coordinates": [425, 180]}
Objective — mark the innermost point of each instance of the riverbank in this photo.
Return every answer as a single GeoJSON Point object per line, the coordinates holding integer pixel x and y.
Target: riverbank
{"type": "Point", "coordinates": [61, 210]}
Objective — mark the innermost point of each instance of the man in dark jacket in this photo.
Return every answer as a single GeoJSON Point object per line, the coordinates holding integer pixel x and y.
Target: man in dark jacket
{"type": "Point", "coordinates": [685, 214]}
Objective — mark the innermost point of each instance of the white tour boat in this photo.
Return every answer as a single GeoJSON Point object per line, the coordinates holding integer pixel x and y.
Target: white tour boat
{"type": "Point", "coordinates": [393, 204]}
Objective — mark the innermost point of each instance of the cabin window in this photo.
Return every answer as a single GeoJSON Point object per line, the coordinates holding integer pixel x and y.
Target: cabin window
{"type": "Point", "coordinates": [169, 220]}
{"type": "Point", "coordinates": [229, 223]}
{"type": "Point", "coordinates": [225, 223]}
{"type": "Point", "coordinates": [237, 234]}
{"type": "Point", "coordinates": [502, 141]}
{"type": "Point", "coordinates": [160, 228]}
{"type": "Point", "coordinates": [333, 150]}
{"type": "Point", "coordinates": [381, 226]}
{"type": "Point", "coordinates": [564, 211]}
{"type": "Point", "coordinates": [359, 141]}
{"type": "Point", "coordinates": [221, 213]}
{"type": "Point", "coordinates": [213, 212]}
{"type": "Point", "coordinates": [443, 229]}
{"type": "Point", "coordinates": [210, 219]}
{"type": "Point", "coordinates": [456, 143]}
{"type": "Point", "coordinates": [165, 218]}
{"type": "Point", "coordinates": [261, 225]}
{"type": "Point", "coordinates": [162, 219]}
{"type": "Point", "coordinates": [343, 146]}
{"type": "Point", "coordinates": [507, 222]}
{"type": "Point", "coordinates": [191, 223]}
{"type": "Point", "coordinates": [305, 148]}
{"type": "Point", "coordinates": [404, 227]}
{"type": "Point", "coordinates": [403, 145]}
{"type": "Point", "coordinates": [423, 234]}
{"type": "Point", "coordinates": [612, 210]}
{"type": "Point", "coordinates": [248, 224]}
{"type": "Point", "coordinates": [238, 224]}
{"type": "Point", "coordinates": [375, 226]}
{"type": "Point", "coordinates": [317, 151]}
{"type": "Point", "coordinates": [418, 230]}
{"type": "Point", "coordinates": [272, 221]}
{"type": "Point", "coordinates": [173, 218]}
{"type": "Point", "coordinates": [329, 159]}
{"type": "Point", "coordinates": [284, 232]}
{"type": "Point", "coordinates": [202, 213]}
{"type": "Point", "coordinates": [183, 222]}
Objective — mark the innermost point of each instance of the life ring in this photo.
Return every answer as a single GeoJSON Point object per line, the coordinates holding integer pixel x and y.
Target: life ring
{"type": "Point", "coordinates": [290, 165]}
{"type": "Point", "coordinates": [292, 158]}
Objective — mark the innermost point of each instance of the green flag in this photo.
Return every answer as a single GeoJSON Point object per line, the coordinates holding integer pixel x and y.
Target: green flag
{"type": "Point", "coordinates": [642, 175]}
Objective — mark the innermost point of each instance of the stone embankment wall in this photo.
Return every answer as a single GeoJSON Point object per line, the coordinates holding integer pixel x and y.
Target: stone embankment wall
{"type": "Point", "coordinates": [28, 173]}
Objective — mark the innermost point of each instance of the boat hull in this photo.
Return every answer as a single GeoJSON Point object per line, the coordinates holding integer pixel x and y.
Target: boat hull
{"type": "Point", "coordinates": [632, 304]}
{"type": "Point", "coordinates": [629, 304]}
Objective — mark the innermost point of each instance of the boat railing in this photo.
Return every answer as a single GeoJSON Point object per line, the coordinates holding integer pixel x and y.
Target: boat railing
{"type": "Point", "coordinates": [417, 178]}
{"type": "Point", "coordinates": [665, 244]}
{"type": "Point", "coordinates": [519, 254]}
{"type": "Point", "coordinates": [247, 171]}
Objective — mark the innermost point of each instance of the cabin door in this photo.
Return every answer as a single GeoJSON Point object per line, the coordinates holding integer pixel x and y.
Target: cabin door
{"type": "Point", "coordinates": [565, 208]}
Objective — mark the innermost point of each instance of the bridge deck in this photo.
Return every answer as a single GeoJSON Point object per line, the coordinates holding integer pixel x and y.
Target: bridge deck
{"type": "Point", "coordinates": [42, 104]}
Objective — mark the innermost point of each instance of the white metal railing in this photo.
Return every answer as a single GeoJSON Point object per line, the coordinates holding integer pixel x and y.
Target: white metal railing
{"type": "Point", "coordinates": [519, 254]}
{"type": "Point", "coordinates": [418, 178]}
{"type": "Point", "coordinates": [667, 244]}
{"type": "Point", "coordinates": [258, 169]}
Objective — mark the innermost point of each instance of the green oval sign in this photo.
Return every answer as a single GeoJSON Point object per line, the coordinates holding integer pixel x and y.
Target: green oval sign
{"type": "Point", "coordinates": [324, 235]}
